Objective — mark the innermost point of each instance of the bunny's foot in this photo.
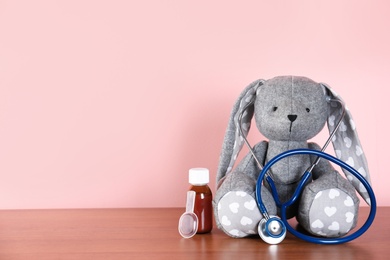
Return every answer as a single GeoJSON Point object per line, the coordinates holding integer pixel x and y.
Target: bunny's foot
{"type": "Point", "coordinates": [329, 206]}
{"type": "Point", "coordinates": [238, 214]}
{"type": "Point", "coordinates": [236, 211]}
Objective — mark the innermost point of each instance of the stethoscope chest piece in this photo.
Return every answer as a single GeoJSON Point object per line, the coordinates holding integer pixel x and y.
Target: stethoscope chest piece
{"type": "Point", "coordinates": [272, 230]}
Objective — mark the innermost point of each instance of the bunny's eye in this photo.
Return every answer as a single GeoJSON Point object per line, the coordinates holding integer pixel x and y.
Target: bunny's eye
{"type": "Point", "coordinates": [274, 109]}
{"type": "Point", "coordinates": [307, 110]}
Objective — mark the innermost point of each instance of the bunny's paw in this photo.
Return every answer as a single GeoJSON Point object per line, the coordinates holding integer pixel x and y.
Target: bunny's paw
{"type": "Point", "coordinates": [329, 211]}
{"type": "Point", "coordinates": [238, 214]}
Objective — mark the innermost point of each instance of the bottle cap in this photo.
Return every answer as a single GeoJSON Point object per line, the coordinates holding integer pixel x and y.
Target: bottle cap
{"type": "Point", "coordinates": [199, 176]}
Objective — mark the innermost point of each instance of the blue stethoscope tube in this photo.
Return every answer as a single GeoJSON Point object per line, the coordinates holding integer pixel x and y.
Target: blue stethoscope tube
{"type": "Point", "coordinates": [298, 191]}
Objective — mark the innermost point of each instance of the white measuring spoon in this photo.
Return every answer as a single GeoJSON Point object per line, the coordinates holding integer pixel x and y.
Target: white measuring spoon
{"type": "Point", "coordinates": [188, 222]}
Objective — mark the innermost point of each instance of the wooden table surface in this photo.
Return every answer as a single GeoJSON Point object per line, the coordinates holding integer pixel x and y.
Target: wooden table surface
{"type": "Point", "coordinates": [152, 234]}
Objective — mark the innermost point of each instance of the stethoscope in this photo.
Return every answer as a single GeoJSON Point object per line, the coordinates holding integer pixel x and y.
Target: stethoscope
{"type": "Point", "coordinates": [273, 229]}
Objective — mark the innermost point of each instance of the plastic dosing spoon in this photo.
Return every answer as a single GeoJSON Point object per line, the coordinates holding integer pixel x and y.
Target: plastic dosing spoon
{"type": "Point", "coordinates": [188, 222]}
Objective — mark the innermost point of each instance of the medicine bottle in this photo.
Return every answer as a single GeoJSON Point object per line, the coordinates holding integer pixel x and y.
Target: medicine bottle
{"type": "Point", "coordinates": [199, 179]}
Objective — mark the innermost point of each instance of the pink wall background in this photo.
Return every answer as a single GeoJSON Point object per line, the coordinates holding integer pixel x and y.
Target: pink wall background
{"type": "Point", "coordinates": [109, 103]}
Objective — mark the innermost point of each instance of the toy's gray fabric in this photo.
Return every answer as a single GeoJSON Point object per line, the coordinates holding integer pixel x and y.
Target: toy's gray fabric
{"type": "Point", "coordinates": [289, 111]}
{"type": "Point", "coordinates": [347, 144]}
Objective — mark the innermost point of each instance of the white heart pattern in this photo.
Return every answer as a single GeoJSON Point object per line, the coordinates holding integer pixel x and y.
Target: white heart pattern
{"type": "Point", "coordinates": [330, 211]}
{"type": "Point", "coordinates": [333, 193]}
{"type": "Point", "coordinates": [362, 171]}
{"type": "Point", "coordinates": [348, 142]}
{"type": "Point", "coordinates": [317, 224]}
{"type": "Point", "coordinates": [234, 232]}
{"type": "Point", "coordinates": [362, 188]}
{"type": "Point", "coordinates": [234, 207]}
{"type": "Point", "coordinates": [246, 221]}
{"type": "Point", "coordinates": [359, 150]}
{"type": "Point", "coordinates": [331, 120]}
{"type": "Point", "coordinates": [250, 204]}
{"type": "Point", "coordinates": [348, 202]}
{"type": "Point", "coordinates": [350, 161]}
{"type": "Point", "coordinates": [343, 127]}
{"type": "Point", "coordinates": [349, 217]}
{"type": "Point", "coordinates": [335, 226]}
{"type": "Point", "coordinates": [241, 193]}
{"type": "Point", "coordinates": [320, 233]}
{"type": "Point", "coordinates": [225, 221]}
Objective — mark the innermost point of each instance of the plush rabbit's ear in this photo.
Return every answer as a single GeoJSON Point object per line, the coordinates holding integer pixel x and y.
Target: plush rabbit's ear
{"type": "Point", "coordinates": [233, 140]}
{"type": "Point", "coordinates": [346, 142]}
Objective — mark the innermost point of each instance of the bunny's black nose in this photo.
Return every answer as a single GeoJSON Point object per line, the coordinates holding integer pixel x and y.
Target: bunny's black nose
{"type": "Point", "coordinates": [292, 117]}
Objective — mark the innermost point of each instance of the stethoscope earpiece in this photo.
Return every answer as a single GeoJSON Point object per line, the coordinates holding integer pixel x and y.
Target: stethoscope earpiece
{"type": "Point", "coordinates": [272, 230]}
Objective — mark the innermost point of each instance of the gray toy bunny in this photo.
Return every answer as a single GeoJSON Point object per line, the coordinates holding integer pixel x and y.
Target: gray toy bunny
{"type": "Point", "coordinates": [289, 111]}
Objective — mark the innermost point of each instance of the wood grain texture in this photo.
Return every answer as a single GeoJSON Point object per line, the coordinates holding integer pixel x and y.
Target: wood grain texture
{"type": "Point", "coordinates": [152, 234]}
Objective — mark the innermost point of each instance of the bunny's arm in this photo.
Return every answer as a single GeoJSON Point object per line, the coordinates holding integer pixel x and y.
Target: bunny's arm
{"type": "Point", "coordinates": [244, 176]}
{"type": "Point", "coordinates": [248, 164]}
